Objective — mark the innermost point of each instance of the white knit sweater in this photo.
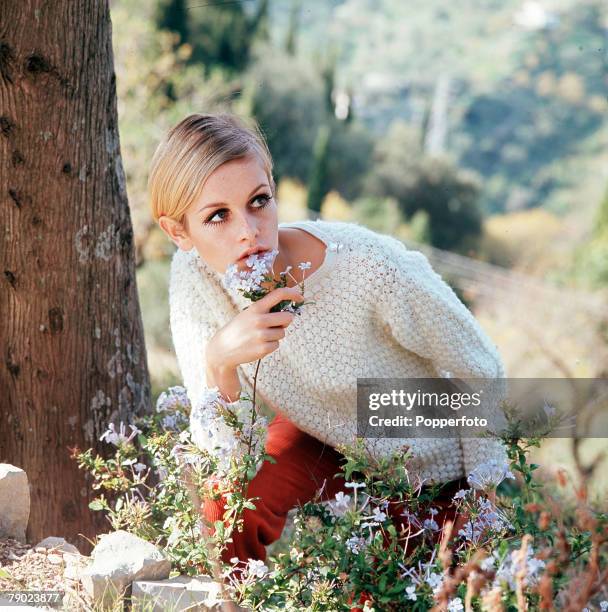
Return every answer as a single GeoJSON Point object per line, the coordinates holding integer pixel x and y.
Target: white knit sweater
{"type": "Point", "coordinates": [380, 311]}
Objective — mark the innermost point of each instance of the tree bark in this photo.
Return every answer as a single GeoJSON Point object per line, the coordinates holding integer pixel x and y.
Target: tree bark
{"type": "Point", "coordinates": [71, 333]}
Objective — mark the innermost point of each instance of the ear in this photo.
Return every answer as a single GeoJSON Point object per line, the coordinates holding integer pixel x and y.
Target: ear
{"type": "Point", "coordinates": [176, 232]}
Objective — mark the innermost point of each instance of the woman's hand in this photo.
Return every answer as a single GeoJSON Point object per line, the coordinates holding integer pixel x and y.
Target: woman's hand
{"type": "Point", "coordinates": [253, 333]}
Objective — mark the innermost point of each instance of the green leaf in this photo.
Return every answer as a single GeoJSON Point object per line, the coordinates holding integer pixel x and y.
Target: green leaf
{"type": "Point", "coordinates": [382, 584]}
{"type": "Point", "coordinates": [96, 504]}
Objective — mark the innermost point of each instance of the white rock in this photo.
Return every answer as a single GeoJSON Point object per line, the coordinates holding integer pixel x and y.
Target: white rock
{"type": "Point", "coordinates": [74, 565]}
{"type": "Point", "coordinates": [75, 558]}
{"type": "Point", "coordinates": [176, 594]}
{"type": "Point", "coordinates": [56, 544]}
{"type": "Point", "coordinates": [72, 572]}
{"type": "Point", "coordinates": [118, 559]}
{"type": "Point", "coordinates": [14, 502]}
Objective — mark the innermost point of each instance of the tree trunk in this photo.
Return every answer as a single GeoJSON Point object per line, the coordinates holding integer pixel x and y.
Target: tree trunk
{"type": "Point", "coordinates": [71, 333]}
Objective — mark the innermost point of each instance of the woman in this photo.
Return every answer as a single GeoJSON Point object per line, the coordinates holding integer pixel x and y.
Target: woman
{"type": "Point", "coordinates": [379, 311]}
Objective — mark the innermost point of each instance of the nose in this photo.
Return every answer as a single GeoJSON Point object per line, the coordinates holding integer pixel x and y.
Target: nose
{"type": "Point", "coordinates": [249, 229]}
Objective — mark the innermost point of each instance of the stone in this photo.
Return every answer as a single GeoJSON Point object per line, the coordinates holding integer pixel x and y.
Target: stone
{"type": "Point", "coordinates": [56, 545]}
{"type": "Point", "coordinates": [72, 572]}
{"type": "Point", "coordinates": [55, 559]}
{"type": "Point", "coordinates": [117, 560]}
{"type": "Point", "coordinates": [74, 565]}
{"type": "Point", "coordinates": [176, 594]}
{"type": "Point", "coordinates": [14, 502]}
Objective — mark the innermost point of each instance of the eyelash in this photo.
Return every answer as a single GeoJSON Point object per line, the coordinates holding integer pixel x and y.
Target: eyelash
{"type": "Point", "coordinates": [263, 196]}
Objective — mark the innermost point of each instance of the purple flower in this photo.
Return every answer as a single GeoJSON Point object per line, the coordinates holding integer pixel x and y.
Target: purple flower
{"type": "Point", "coordinates": [111, 436]}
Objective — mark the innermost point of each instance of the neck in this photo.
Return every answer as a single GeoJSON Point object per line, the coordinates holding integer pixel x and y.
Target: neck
{"type": "Point", "coordinates": [283, 259]}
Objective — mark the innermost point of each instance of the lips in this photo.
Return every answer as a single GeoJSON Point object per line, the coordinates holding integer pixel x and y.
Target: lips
{"type": "Point", "coordinates": [249, 252]}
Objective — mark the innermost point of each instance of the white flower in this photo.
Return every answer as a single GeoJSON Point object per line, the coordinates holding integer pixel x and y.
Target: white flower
{"type": "Point", "coordinates": [112, 437]}
{"type": "Point", "coordinates": [174, 421]}
{"type": "Point", "coordinates": [489, 475]}
{"type": "Point", "coordinates": [431, 524]}
{"type": "Point", "coordinates": [354, 485]}
{"type": "Point", "coordinates": [212, 434]}
{"type": "Point", "coordinates": [341, 504]}
{"type": "Point", "coordinates": [250, 280]}
{"type": "Point", "coordinates": [139, 467]}
{"type": "Point", "coordinates": [379, 515]}
{"type": "Point", "coordinates": [604, 605]}
{"type": "Point", "coordinates": [304, 265]}
{"type": "Point", "coordinates": [435, 580]}
{"type": "Point", "coordinates": [256, 567]}
{"type": "Point", "coordinates": [335, 246]}
{"type": "Point", "coordinates": [455, 605]}
{"type": "Point", "coordinates": [549, 409]}
{"type": "Point", "coordinates": [489, 518]}
{"type": "Point", "coordinates": [411, 592]}
{"type": "Point", "coordinates": [433, 511]}
{"type": "Point", "coordinates": [173, 399]}
{"type": "Point", "coordinates": [487, 564]}
{"type": "Point", "coordinates": [461, 494]}
{"type": "Point", "coordinates": [174, 536]}
{"type": "Point", "coordinates": [184, 437]}
{"type": "Point", "coordinates": [355, 544]}
{"type": "Point", "coordinates": [510, 566]}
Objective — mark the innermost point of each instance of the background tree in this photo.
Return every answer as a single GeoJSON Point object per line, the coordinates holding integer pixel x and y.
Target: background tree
{"type": "Point", "coordinates": [221, 34]}
{"type": "Point", "coordinates": [71, 332]}
{"type": "Point", "coordinates": [292, 29]}
{"type": "Point", "coordinates": [447, 194]}
{"type": "Point", "coordinates": [317, 184]}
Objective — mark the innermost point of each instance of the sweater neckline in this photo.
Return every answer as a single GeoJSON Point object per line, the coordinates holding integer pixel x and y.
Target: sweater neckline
{"type": "Point", "coordinates": [330, 254]}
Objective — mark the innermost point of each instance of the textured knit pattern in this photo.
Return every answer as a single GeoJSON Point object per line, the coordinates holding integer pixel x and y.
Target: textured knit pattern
{"type": "Point", "coordinates": [380, 311]}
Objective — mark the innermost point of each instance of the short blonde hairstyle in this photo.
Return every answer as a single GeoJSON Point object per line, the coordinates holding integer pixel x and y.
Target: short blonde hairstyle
{"type": "Point", "coordinates": [191, 151]}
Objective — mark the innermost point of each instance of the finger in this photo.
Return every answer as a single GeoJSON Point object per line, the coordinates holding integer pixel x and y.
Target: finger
{"type": "Point", "coordinates": [276, 296]}
{"type": "Point", "coordinates": [276, 319]}
{"type": "Point", "coordinates": [271, 346]}
{"type": "Point", "coordinates": [273, 333]}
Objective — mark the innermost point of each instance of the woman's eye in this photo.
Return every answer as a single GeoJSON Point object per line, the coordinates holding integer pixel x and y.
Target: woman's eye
{"type": "Point", "coordinates": [217, 212]}
{"type": "Point", "coordinates": [262, 197]}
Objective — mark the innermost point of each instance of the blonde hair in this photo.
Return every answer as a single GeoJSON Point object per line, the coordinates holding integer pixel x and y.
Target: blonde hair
{"type": "Point", "coordinates": [191, 151]}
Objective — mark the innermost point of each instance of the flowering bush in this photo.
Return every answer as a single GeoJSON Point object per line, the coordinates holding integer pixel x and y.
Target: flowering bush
{"type": "Point", "coordinates": [518, 548]}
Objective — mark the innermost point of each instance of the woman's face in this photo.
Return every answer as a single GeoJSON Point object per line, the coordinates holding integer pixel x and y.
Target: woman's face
{"type": "Point", "coordinates": [236, 212]}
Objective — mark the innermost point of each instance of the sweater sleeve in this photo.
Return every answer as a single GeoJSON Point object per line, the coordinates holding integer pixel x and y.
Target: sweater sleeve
{"type": "Point", "coordinates": [190, 329]}
{"type": "Point", "coordinates": [426, 317]}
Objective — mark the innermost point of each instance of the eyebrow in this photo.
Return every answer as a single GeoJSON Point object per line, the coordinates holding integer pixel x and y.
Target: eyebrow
{"type": "Point", "coordinates": [224, 204]}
